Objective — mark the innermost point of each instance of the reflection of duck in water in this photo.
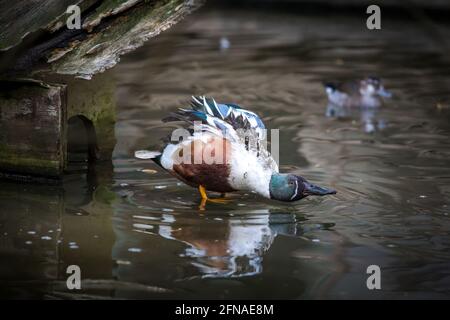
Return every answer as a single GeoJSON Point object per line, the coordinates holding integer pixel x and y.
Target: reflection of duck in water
{"type": "Point", "coordinates": [234, 247]}
{"type": "Point", "coordinates": [225, 153]}
{"type": "Point", "coordinates": [366, 93]}
{"type": "Point", "coordinates": [368, 116]}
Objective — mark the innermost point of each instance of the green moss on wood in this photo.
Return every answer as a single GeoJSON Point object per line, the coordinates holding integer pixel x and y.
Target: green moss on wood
{"type": "Point", "coordinates": [107, 8]}
{"type": "Point", "coordinates": [41, 167]}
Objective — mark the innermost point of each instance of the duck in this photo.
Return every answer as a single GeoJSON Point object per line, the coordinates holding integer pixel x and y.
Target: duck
{"type": "Point", "coordinates": [220, 148]}
{"type": "Point", "coordinates": [366, 93]}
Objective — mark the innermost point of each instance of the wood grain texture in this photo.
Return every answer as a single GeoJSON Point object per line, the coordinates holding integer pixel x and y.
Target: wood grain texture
{"type": "Point", "coordinates": [32, 124]}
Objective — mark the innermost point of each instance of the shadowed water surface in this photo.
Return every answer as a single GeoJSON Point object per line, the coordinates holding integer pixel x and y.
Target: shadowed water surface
{"type": "Point", "coordinates": [138, 233]}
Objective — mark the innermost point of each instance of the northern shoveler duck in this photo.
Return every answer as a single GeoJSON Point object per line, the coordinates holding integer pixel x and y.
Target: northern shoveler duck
{"type": "Point", "coordinates": [364, 93]}
{"type": "Point", "coordinates": [222, 150]}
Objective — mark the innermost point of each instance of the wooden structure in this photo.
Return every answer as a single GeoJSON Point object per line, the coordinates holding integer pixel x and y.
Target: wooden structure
{"type": "Point", "coordinates": [39, 59]}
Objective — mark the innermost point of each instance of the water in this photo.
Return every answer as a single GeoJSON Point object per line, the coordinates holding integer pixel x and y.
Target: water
{"type": "Point", "coordinates": [138, 233]}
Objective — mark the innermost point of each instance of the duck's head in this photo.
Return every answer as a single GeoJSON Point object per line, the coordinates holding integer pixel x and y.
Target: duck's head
{"type": "Point", "coordinates": [372, 86]}
{"type": "Point", "coordinates": [330, 88]}
{"type": "Point", "coordinates": [290, 187]}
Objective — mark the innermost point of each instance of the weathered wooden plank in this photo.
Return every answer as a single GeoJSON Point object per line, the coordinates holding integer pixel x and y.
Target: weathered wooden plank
{"type": "Point", "coordinates": [32, 124]}
{"type": "Point", "coordinates": [20, 17]}
{"type": "Point", "coordinates": [33, 116]}
{"type": "Point", "coordinates": [103, 47]}
{"type": "Point", "coordinates": [110, 28]}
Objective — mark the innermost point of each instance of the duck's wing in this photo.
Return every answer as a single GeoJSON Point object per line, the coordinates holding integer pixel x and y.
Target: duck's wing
{"type": "Point", "coordinates": [230, 121]}
{"type": "Point", "coordinates": [233, 114]}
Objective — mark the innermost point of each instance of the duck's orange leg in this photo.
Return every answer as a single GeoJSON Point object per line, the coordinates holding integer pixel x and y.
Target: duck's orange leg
{"type": "Point", "coordinates": [205, 198]}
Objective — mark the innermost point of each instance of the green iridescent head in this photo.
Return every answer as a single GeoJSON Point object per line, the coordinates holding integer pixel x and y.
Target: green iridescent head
{"type": "Point", "coordinates": [290, 187]}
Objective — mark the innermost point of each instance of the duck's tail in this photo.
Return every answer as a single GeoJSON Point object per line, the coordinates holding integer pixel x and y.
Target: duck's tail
{"type": "Point", "coordinates": [146, 154]}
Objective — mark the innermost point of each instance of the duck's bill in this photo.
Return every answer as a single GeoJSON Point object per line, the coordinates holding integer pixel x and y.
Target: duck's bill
{"type": "Point", "coordinates": [384, 93]}
{"type": "Point", "coordinates": [313, 190]}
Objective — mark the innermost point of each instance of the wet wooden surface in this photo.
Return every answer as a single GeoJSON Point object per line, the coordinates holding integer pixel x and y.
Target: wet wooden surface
{"type": "Point", "coordinates": [109, 29]}
{"type": "Point", "coordinates": [32, 127]}
{"type": "Point", "coordinates": [36, 43]}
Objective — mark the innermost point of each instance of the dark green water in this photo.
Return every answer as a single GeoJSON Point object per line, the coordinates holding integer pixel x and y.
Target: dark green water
{"type": "Point", "coordinates": [140, 235]}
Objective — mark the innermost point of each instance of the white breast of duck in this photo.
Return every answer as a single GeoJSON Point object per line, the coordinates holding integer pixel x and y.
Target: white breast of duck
{"type": "Point", "coordinates": [249, 171]}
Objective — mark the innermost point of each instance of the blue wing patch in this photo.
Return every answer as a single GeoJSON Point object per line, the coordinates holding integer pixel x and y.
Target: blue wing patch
{"type": "Point", "coordinates": [228, 112]}
{"type": "Point", "coordinates": [224, 117]}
